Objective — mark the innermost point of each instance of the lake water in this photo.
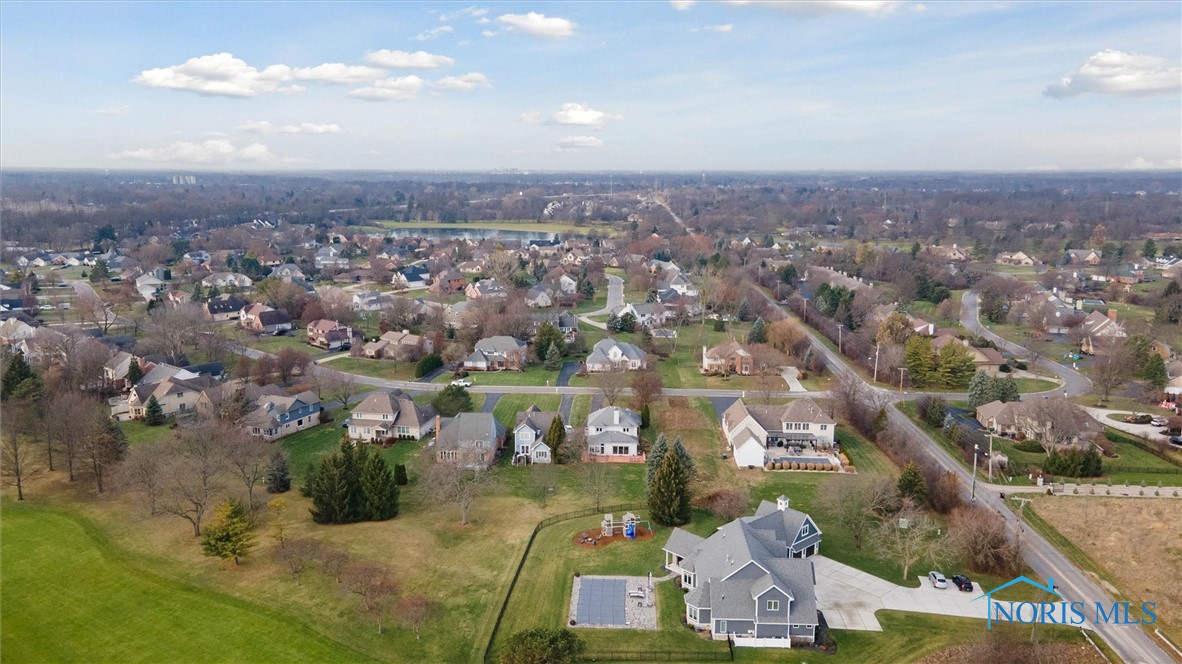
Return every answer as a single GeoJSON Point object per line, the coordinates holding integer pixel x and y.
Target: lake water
{"type": "Point", "coordinates": [520, 237]}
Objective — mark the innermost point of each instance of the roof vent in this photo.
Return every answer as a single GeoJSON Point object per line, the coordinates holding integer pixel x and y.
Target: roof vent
{"type": "Point", "coordinates": [782, 503]}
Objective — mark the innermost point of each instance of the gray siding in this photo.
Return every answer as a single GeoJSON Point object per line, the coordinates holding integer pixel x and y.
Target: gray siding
{"type": "Point", "coordinates": [761, 607]}
{"type": "Point", "coordinates": [772, 631]}
{"type": "Point", "coordinates": [740, 627]}
{"type": "Point", "coordinates": [704, 616]}
{"type": "Point", "coordinates": [750, 571]}
{"type": "Point", "coordinates": [808, 632]}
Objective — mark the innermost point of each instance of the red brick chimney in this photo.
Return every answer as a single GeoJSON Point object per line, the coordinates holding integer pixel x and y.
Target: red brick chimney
{"type": "Point", "coordinates": [1111, 314]}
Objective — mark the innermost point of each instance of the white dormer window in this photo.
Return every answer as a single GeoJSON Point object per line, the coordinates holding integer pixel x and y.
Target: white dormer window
{"type": "Point", "coordinates": [773, 605]}
{"type": "Point", "coordinates": [804, 530]}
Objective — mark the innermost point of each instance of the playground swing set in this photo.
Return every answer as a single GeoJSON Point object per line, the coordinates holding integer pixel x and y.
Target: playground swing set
{"type": "Point", "coordinates": [628, 526]}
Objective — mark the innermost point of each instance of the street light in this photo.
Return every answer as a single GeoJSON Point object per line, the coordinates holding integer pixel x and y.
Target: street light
{"type": "Point", "coordinates": [991, 457]}
{"type": "Point", "coordinates": [901, 370]}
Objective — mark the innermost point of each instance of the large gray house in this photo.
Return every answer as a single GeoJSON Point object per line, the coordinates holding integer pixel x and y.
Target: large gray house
{"type": "Point", "coordinates": [750, 581]}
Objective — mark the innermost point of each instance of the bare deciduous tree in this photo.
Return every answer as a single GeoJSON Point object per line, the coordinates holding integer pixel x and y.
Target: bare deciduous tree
{"type": "Point", "coordinates": [646, 388]}
{"type": "Point", "coordinates": [374, 585]}
{"type": "Point", "coordinates": [1055, 422]}
{"type": "Point", "coordinates": [453, 485]}
{"type": "Point", "coordinates": [194, 475]}
{"type": "Point", "coordinates": [611, 384]}
{"type": "Point", "coordinates": [984, 541]}
{"type": "Point", "coordinates": [333, 561]}
{"type": "Point", "coordinates": [249, 458]}
{"type": "Point", "coordinates": [296, 556]}
{"type": "Point", "coordinates": [143, 473]}
{"type": "Point", "coordinates": [413, 613]}
{"type": "Point", "coordinates": [337, 386]}
{"type": "Point", "coordinates": [857, 504]}
{"type": "Point", "coordinates": [910, 538]}
{"type": "Point", "coordinates": [16, 460]}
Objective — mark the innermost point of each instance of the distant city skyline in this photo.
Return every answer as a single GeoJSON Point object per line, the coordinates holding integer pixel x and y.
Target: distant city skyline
{"type": "Point", "coordinates": [657, 86]}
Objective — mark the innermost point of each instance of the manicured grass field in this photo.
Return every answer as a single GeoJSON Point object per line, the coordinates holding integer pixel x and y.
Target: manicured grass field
{"type": "Point", "coordinates": [138, 433]}
{"type": "Point", "coordinates": [510, 404]}
{"type": "Point", "coordinates": [580, 407]}
{"type": "Point", "coordinates": [297, 339]}
{"type": "Point", "coordinates": [596, 303]}
{"type": "Point", "coordinates": [534, 374]}
{"type": "Point", "coordinates": [376, 368]}
{"type": "Point", "coordinates": [70, 595]}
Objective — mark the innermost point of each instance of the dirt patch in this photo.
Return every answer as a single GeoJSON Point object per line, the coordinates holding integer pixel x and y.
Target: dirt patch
{"type": "Point", "coordinates": [587, 539]}
{"type": "Point", "coordinates": [1135, 540]}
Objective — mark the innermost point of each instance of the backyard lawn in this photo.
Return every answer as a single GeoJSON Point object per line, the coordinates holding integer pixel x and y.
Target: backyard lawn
{"type": "Point", "coordinates": [386, 369]}
{"type": "Point", "coordinates": [297, 339]}
{"type": "Point", "coordinates": [138, 433]}
{"type": "Point", "coordinates": [70, 594]}
{"type": "Point", "coordinates": [534, 374]}
{"type": "Point", "coordinates": [510, 404]}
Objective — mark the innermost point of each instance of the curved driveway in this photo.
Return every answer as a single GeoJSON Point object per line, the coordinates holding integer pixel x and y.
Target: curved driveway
{"type": "Point", "coordinates": [615, 297]}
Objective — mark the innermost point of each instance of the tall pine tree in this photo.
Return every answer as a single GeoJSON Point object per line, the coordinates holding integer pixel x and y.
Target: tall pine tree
{"type": "Point", "coordinates": [668, 499]}
{"type": "Point", "coordinates": [659, 449]}
{"type": "Point", "coordinates": [278, 475]}
{"type": "Point", "coordinates": [134, 372]}
{"type": "Point", "coordinates": [229, 536]}
{"type": "Point", "coordinates": [1007, 389]}
{"type": "Point", "coordinates": [153, 413]}
{"type": "Point", "coordinates": [920, 360]}
{"type": "Point", "coordinates": [758, 333]}
{"type": "Point", "coordinates": [555, 437]}
{"type": "Point", "coordinates": [379, 491]}
{"type": "Point", "coordinates": [17, 372]}
{"type": "Point", "coordinates": [982, 389]}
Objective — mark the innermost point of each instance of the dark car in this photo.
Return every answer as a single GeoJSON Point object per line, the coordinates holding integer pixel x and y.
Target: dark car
{"type": "Point", "coordinates": [1176, 440]}
{"type": "Point", "coordinates": [962, 583]}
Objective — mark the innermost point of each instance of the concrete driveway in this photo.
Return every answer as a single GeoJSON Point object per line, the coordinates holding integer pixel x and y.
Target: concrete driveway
{"type": "Point", "coordinates": [849, 597]}
{"type": "Point", "coordinates": [1144, 430]}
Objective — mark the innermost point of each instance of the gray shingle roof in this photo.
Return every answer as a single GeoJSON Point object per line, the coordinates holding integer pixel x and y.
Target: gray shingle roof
{"type": "Point", "coordinates": [606, 417]}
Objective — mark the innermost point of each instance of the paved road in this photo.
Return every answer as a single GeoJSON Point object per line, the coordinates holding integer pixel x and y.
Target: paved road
{"type": "Point", "coordinates": [615, 297]}
{"type": "Point", "coordinates": [1074, 383]}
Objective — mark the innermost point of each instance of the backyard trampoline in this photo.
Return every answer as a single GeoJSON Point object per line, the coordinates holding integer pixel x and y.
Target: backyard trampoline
{"type": "Point", "coordinates": [601, 602]}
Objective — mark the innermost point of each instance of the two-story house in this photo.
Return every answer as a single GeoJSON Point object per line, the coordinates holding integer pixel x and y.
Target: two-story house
{"type": "Point", "coordinates": [484, 288]}
{"type": "Point", "coordinates": [227, 280]}
{"type": "Point", "coordinates": [397, 344]}
{"type": "Point", "coordinates": [612, 355]}
{"type": "Point", "coordinates": [279, 415]}
{"type": "Point", "coordinates": [498, 353]}
{"type": "Point", "coordinates": [727, 358]}
{"type": "Point", "coordinates": [756, 434]}
{"type": "Point", "coordinates": [468, 440]}
{"type": "Point", "coordinates": [1098, 332]}
{"type": "Point", "coordinates": [177, 396]}
{"type": "Point", "coordinates": [329, 334]}
{"type": "Point", "coordinates": [751, 581]}
{"type": "Point", "coordinates": [390, 414]}
{"type": "Point", "coordinates": [613, 434]}
{"type": "Point", "coordinates": [529, 433]}
{"type": "Point", "coordinates": [222, 308]}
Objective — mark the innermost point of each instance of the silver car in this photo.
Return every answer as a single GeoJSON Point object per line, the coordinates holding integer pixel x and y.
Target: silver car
{"type": "Point", "coordinates": [937, 579]}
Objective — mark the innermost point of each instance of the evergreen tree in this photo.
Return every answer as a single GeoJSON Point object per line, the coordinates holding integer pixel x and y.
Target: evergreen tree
{"type": "Point", "coordinates": [278, 476]}
{"type": "Point", "coordinates": [983, 389]}
{"type": "Point", "coordinates": [329, 491]}
{"type": "Point", "coordinates": [613, 323]}
{"type": "Point", "coordinates": [555, 436]}
{"type": "Point", "coordinates": [659, 449]}
{"type": "Point", "coordinates": [627, 323]}
{"type": "Point", "coordinates": [427, 364]}
{"type": "Point", "coordinates": [1007, 389]}
{"type": "Point", "coordinates": [553, 358]}
{"type": "Point", "coordinates": [687, 462]}
{"type": "Point", "coordinates": [911, 484]}
{"type": "Point", "coordinates": [400, 477]}
{"type": "Point", "coordinates": [1171, 288]}
{"type": "Point", "coordinates": [668, 500]}
{"type": "Point", "coordinates": [229, 536]}
{"type": "Point", "coordinates": [101, 273]}
{"type": "Point", "coordinates": [1150, 249]}
{"type": "Point", "coordinates": [1155, 372]}
{"type": "Point", "coordinates": [954, 366]}
{"type": "Point", "coordinates": [920, 360]}
{"type": "Point", "coordinates": [153, 413]}
{"type": "Point", "coordinates": [548, 337]}
{"type": "Point", "coordinates": [17, 372]}
{"type": "Point", "coordinates": [379, 491]}
{"type": "Point", "coordinates": [758, 333]}
{"type": "Point", "coordinates": [452, 400]}
{"type": "Point", "coordinates": [645, 417]}
{"type": "Point", "coordinates": [744, 313]}
{"type": "Point", "coordinates": [198, 293]}
{"type": "Point", "coordinates": [134, 372]}
{"type": "Point", "coordinates": [541, 645]}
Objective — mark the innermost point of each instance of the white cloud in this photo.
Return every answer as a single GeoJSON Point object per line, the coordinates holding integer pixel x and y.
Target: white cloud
{"type": "Point", "coordinates": [489, 33]}
{"type": "Point", "coordinates": [538, 25]}
{"type": "Point", "coordinates": [1139, 164]}
{"type": "Point", "coordinates": [112, 110]}
{"type": "Point", "coordinates": [391, 89]}
{"type": "Point", "coordinates": [724, 28]}
{"type": "Point", "coordinates": [818, 7]}
{"type": "Point", "coordinates": [1111, 72]}
{"type": "Point", "coordinates": [468, 81]}
{"type": "Point", "coordinates": [404, 60]}
{"type": "Point", "coordinates": [579, 143]}
{"type": "Point", "coordinates": [212, 151]}
{"type": "Point", "coordinates": [265, 127]}
{"type": "Point", "coordinates": [581, 115]}
{"type": "Point", "coordinates": [222, 74]}
{"type": "Point", "coordinates": [434, 32]}
{"type": "Point", "coordinates": [470, 12]}
{"type": "Point", "coordinates": [681, 5]}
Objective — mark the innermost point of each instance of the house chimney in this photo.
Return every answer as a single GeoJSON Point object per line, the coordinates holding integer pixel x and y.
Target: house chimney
{"type": "Point", "coordinates": [782, 503]}
{"type": "Point", "coordinates": [616, 414]}
{"type": "Point", "coordinates": [1111, 314]}
{"type": "Point", "coordinates": [438, 423]}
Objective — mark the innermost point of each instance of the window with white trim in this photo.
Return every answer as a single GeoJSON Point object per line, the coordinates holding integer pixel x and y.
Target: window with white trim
{"type": "Point", "coordinates": [773, 605]}
{"type": "Point", "coordinates": [722, 627]}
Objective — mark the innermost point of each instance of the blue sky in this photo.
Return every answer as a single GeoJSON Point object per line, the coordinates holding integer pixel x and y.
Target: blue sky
{"type": "Point", "coordinates": [592, 86]}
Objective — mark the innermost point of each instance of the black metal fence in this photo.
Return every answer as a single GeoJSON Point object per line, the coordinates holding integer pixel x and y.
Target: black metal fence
{"type": "Point", "coordinates": [549, 521]}
{"type": "Point", "coordinates": [659, 656]}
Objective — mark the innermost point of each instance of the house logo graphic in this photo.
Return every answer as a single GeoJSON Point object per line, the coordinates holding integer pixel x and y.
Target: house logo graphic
{"type": "Point", "coordinates": [1061, 611]}
{"type": "Point", "coordinates": [990, 603]}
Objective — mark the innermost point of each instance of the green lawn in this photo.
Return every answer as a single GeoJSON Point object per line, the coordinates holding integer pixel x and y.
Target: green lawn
{"type": "Point", "coordinates": [1034, 385]}
{"type": "Point", "coordinates": [138, 433]}
{"type": "Point", "coordinates": [534, 374]}
{"type": "Point", "coordinates": [297, 339]}
{"type": "Point", "coordinates": [376, 368]}
{"type": "Point", "coordinates": [70, 595]}
{"type": "Point", "coordinates": [510, 404]}
{"type": "Point", "coordinates": [596, 303]}
{"type": "Point", "coordinates": [580, 407]}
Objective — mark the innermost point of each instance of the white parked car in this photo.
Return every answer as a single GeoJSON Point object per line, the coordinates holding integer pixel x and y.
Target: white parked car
{"type": "Point", "coordinates": [1159, 421]}
{"type": "Point", "coordinates": [462, 383]}
{"type": "Point", "coordinates": [937, 579]}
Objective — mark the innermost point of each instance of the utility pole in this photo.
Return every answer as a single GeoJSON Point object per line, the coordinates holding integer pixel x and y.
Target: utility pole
{"type": "Point", "coordinates": [840, 327]}
{"type": "Point", "coordinates": [876, 349]}
{"type": "Point", "coordinates": [973, 493]}
{"type": "Point", "coordinates": [901, 370]}
{"type": "Point", "coordinates": [991, 457]}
